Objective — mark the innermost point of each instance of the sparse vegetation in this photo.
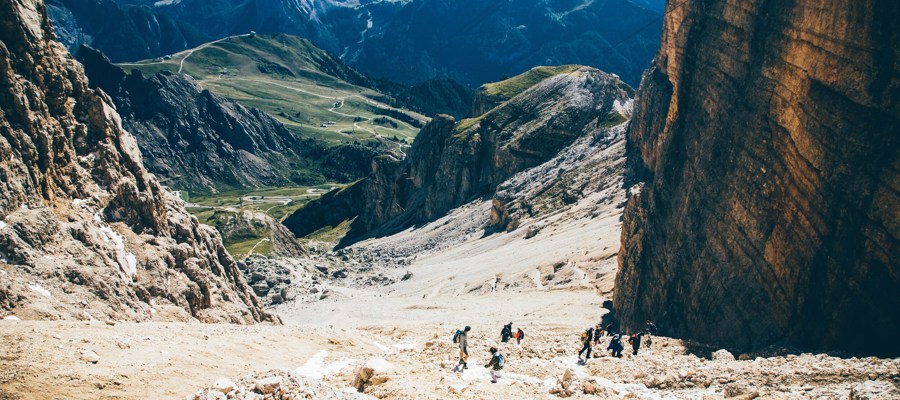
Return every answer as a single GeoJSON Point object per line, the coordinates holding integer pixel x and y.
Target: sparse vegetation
{"type": "Point", "coordinates": [294, 81]}
{"type": "Point", "coordinates": [511, 87]}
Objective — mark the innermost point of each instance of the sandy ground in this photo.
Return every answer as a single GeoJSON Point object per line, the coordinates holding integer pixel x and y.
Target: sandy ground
{"type": "Point", "coordinates": [552, 285]}
{"type": "Point", "coordinates": [484, 283]}
{"type": "Point", "coordinates": [403, 332]}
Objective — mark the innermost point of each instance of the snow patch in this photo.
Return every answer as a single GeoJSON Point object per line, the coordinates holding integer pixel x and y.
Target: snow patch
{"type": "Point", "coordinates": [404, 346]}
{"type": "Point", "coordinates": [132, 264]}
{"type": "Point", "coordinates": [3, 225]}
{"type": "Point", "coordinates": [379, 364]}
{"type": "Point", "coordinates": [78, 202]}
{"type": "Point", "coordinates": [317, 368]}
{"type": "Point", "coordinates": [11, 318]}
{"type": "Point", "coordinates": [39, 290]}
{"type": "Point", "coordinates": [112, 236]}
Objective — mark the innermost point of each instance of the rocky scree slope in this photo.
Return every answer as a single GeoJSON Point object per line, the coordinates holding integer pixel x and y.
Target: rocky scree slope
{"type": "Point", "coordinates": [767, 177]}
{"type": "Point", "coordinates": [195, 140]}
{"type": "Point", "coordinates": [85, 231]}
{"type": "Point", "coordinates": [451, 163]}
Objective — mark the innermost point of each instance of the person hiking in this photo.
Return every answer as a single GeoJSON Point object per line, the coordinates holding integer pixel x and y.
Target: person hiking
{"type": "Point", "coordinates": [462, 338]}
{"type": "Point", "coordinates": [615, 346]}
{"type": "Point", "coordinates": [495, 364]}
{"type": "Point", "coordinates": [520, 334]}
{"type": "Point", "coordinates": [598, 333]}
{"type": "Point", "coordinates": [506, 333]}
{"type": "Point", "coordinates": [651, 328]}
{"type": "Point", "coordinates": [650, 331]}
{"type": "Point", "coordinates": [586, 338]}
{"type": "Point", "coordinates": [635, 341]}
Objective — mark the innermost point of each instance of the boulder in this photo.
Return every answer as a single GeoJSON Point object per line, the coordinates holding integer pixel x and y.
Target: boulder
{"type": "Point", "coordinates": [268, 385]}
{"type": "Point", "coordinates": [722, 355]}
{"type": "Point", "coordinates": [362, 377]}
{"type": "Point", "coordinates": [90, 356]}
{"type": "Point", "coordinates": [261, 288]}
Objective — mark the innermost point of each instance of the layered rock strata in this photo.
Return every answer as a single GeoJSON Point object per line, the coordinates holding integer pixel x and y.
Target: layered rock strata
{"type": "Point", "coordinates": [767, 177]}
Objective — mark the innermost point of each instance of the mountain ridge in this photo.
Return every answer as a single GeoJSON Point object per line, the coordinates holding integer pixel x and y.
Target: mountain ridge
{"type": "Point", "coordinates": [505, 38]}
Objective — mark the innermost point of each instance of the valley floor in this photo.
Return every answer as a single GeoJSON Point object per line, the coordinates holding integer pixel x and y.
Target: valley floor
{"type": "Point", "coordinates": [552, 286]}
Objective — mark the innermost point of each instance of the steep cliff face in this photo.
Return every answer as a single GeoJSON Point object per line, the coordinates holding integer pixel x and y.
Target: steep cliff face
{"type": "Point", "coordinates": [194, 139]}
{"type": "Point", "coordinates": [767, 170]}
{"type": "Point", "coordinates": [452, 163]}
{"type": "Point", "coordinates": [85, 230]}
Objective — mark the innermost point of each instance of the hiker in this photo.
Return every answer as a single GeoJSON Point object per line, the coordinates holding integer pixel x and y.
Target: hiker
{"type": "Point", "coordinates": [462, 338]}
{"type": "Point", "coordinates": [506, 333]}
{"type": "Point", "coordinates": [520, 334]}
{"type": "Point", "coordinates": [651, 328]}
{"type": "Point", "coordinates": [650, 331]}
{"type": "Point", "coordinates": [495, 364]}
{"type": "Point", "coordinates": [635, 341]}
{"type": "Point", "coordinates": [586, 338]}
{"type": "Point", "coordinates": [615, 346]}
{"type": "Point", "coordinates": [598, 333]}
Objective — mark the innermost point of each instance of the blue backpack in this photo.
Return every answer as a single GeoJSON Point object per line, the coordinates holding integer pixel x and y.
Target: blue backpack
{"type": "Point", "coordinates": [456, 336]}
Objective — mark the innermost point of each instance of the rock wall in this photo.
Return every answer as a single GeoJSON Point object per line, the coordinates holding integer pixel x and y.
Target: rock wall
{"type": "Point", "coordinates": [765, 168]}
{"type": "Point", "coordinates": [451, 163]}
{"type": "Point", "coordinates": [85, 231]}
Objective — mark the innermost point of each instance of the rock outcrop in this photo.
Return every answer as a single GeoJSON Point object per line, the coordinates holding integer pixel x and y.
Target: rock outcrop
{"type": "Point", "coordinates": [85, 230]}
{"type": "Point", "coordinates": [451, 163]}
{"type": "Point", "coordinates": [195, 140]}
{"type": "Point", "coordinates": [766, 160]}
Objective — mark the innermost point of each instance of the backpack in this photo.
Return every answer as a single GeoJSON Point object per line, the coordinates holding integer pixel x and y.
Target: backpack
{"type": "Point", "coordinates": [500, 360]}
{"type": "Point", "coordinates": [584, 336]}
{"type": "Point", "coordinates": [456, 336]}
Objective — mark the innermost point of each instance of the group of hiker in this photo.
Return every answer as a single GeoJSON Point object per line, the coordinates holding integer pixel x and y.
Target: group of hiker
{"type": "Point", "coordinates": [592, 337]}
{"type": "Point", "coordinates": [589, 338]}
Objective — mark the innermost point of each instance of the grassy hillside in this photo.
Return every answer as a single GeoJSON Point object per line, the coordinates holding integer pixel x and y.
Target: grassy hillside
{"type": "Point", "coordinates": [511, 87]}
{"type": "Point", "coordinates": [297, 83]}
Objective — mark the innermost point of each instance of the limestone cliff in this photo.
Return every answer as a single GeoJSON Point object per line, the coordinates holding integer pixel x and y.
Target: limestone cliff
{"type": "Point", "coordinates": [85, 230]}
{"type": "Point", "coordinates": [765, 167]}
{"type": "Point", "coordinates": [451, 163]}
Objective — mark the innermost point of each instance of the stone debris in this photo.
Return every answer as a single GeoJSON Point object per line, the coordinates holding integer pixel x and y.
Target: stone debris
{"type": "Point", "coordinates": [875, 390]}
{"type": "Point", "coordinates": [90, 356]}
{"type": "Point", "coordinates": [275, 385]}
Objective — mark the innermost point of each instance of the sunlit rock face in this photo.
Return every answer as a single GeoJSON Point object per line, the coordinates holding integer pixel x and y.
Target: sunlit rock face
{"type": "Point", "coordinates": [764, 154]}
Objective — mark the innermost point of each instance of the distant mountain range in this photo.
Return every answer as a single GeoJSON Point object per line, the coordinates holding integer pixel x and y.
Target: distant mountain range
{"type": "Point", "coordinates": [471, 41]}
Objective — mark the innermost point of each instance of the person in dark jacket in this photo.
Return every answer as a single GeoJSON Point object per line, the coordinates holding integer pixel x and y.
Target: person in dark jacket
{"type": "Point", "coordinates": [635, 341]}
{"type": "Point", "coordinates": [598, 333]}
{"type": "Point", "coordinates": [495, 364]}
{"type": "Point", "coordinates": [615, 346]}
{"type": "Point", "coordinates": [520, 334]}
{"type": "Point", "coordinates": [506, 333]}
{"type": "Point", "coordinates": [586, 338]}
